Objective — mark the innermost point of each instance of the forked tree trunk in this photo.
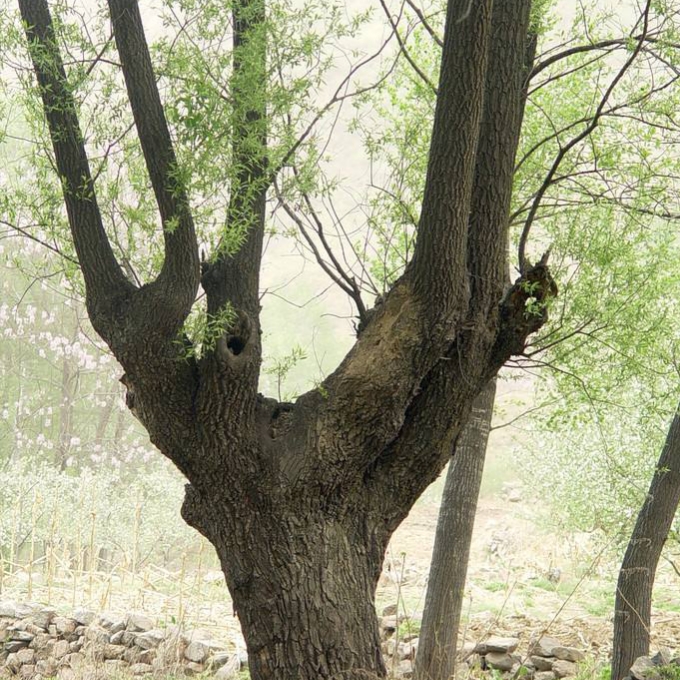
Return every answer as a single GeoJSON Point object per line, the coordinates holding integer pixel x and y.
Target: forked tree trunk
{"type": "Point", "coordinates": [300, 499]}
{"type": "Point", "coordinates": [448, 571]}
{"type": "Point", "coordinates": [633, 606]}
{"type": "Point", "coordinates": [444, 599]}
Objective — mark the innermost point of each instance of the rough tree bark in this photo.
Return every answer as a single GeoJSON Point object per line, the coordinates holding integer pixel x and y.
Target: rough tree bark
{"type": "Point", "coordinates": [633, 605]}
{"type": "Point", "coordinates": [444, 599]}
{"type": "Point", "coordinates": [443, 604]}
{"type": "Point", "coordinates": [301, 499]}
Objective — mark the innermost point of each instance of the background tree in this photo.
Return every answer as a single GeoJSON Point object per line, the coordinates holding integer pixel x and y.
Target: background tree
{"type": "Point", "coordinates": [633, 607]}
{"type": "Point", "coordinates": [436, 657]}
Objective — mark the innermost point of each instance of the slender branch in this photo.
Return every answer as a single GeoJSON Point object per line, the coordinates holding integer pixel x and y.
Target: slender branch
{"type": "Point", "coordinates": [523, 265]}
{"type": "Point", "coordinates": [109, 149]}
{"type": "Point", "coordinates": [426, 25]}
{"type": "Point", "coordinates": [336, 98]}
{"type": "Point", "coordinates": [614, 112]}
{"type": "Point", "coordinates": [336, 273]}
{"type": "Point", "coordinates": [524, 414]}
{"type": "Point", "coordinates": [578, 49]}
{"type": "Point", "coordinates": [27, 234]}
{"type": "Point", "coordinates": [312, 246]}
{"type": "Point", "coordinates": [570, 71]}
{"type": "Point", "coordinates": [544, 346]}
{"type": "Point", "coordinates": [402, 46]}
{"type": "Point", "coordinates": [99, 58]}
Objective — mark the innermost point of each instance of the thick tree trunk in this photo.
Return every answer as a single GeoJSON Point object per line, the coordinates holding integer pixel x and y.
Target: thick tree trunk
{"type": "Point", "coordinates": [448, 570]}
{"type": "Point", "coordinates": [303, 588]}
{"type": "Point", "coordinates": [632, 615]}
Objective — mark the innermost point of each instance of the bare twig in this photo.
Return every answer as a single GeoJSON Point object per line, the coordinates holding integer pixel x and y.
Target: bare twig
{"type": "Point", "coordinates": [402, 46]}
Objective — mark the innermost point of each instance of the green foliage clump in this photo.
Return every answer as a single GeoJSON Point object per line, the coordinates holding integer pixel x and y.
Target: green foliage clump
{"type": "Point", "coordinates": [669, 672]}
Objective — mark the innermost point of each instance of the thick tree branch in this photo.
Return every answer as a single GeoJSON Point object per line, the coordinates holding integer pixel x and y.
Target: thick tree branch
{"type": "Point", "coordinates": [378, 420]}
{"type": "Point", "coordinates": [104, 279]}
{"type": "Point", "coordinates": [139, 324]}
{"type": "Point", "coordinates": [405, 468]}
{"type": "Point", "coordinates": [234, 275]}
{"type": "Point", "coordinates": [439, 262]}
{"type": "Point", "coordinates": [500, 132]}
{"type": "Point", "coordinates": [412, 461]}
{"type": "Point", "coordinates": [179, 275]}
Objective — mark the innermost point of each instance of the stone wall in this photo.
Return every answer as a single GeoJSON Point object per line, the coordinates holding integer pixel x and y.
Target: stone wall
{"type": "Point", "coordinates": [660, 666]}
{"type": "Point", "coordinates": [544, 658]}
{"type": "Point", "coordinates": [37, 643]}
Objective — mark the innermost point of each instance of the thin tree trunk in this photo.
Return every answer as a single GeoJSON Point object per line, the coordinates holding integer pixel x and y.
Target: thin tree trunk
{"type": "Point", "coordinates": [632, 614]}
{"type": "Point", "coordinates": [104, 420]}
{"type": "Point", "coordinates": [443, 603]}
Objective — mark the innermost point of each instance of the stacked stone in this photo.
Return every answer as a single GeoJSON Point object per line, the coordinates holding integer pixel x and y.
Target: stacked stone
{"type": "Point", "coordinates": [495, 652]}
{"type": "Point", "coordinates": [657, 667]}
{"type": "Point", "coordinates": [399, 651]}
{"type": "Point", "coordinates": [547, 658]}
{"type": "Point", "coordinates": [38, 644]}
{"type": "Point", "coordinates": [550, 659]}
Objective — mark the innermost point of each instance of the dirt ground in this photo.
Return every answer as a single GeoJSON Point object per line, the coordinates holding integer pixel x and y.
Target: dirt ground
{"type": "Point", "coordinates": [523, 581]}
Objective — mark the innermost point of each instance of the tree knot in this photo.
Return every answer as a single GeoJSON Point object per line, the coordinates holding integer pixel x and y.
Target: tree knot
{"type": "Point", "coordinates": [524, 308]}
{"type": "Point", "coordinates": [236, 336]}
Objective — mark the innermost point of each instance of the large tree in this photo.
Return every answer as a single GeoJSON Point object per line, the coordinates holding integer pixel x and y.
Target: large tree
{"type": "Point", "coordinates": [300, 499]}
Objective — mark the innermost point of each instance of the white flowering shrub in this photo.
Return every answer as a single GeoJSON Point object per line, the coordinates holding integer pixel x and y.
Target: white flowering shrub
{"type": "Point", "coordinates": [134, 518]}
{"type": "Point", "coordinates": [593, 478]}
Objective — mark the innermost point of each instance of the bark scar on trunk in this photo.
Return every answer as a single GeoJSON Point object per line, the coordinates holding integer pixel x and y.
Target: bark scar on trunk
{"type": "Point", "coordinates": [281, 420]}
{"type": "Point", "coordinates": [524, 308]}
